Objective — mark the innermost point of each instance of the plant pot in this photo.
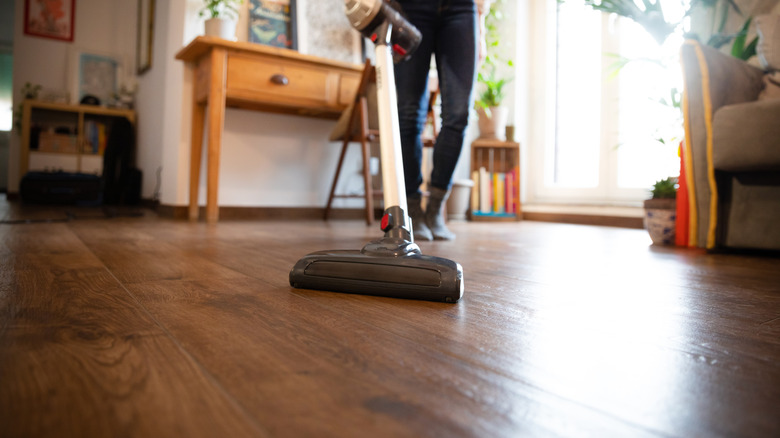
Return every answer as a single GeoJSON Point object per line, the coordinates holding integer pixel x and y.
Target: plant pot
{"type": "Point", "coordinates": [660, 217]}
{"type": "Point", "coordinates": [492, 122]}
{"type": "Point", "coordinates": [224, 28]}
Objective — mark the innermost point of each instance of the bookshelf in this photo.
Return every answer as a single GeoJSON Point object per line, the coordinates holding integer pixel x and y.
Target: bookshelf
{"type": "Point", "coordinates": [59, 136]}
{"type": "Point", "coordinates": [495, 171]}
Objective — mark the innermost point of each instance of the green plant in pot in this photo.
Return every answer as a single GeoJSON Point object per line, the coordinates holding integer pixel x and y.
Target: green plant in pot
{"type": "Point", "coordinates": [661, 211]}
{"type": "Point", "coordinates": [490, 79]}
{"type": "Point", "coordinates": [492, 114]}
{"type": "Point", "coordinates": [29, 91]}
{"type": "Point", "coordinates": [222, 17]}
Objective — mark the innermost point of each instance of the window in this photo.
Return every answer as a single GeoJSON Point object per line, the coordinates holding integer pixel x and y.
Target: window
{"type": "Point", "coordinates": [6, 91]}
{"type": "Point", "coordinates": [600, 128]}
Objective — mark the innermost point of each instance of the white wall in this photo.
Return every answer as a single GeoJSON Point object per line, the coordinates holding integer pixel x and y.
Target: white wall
{"type": "Point", "coordinates": [161, 153]}
{"type": "Point", "coordinates": [518, 14]}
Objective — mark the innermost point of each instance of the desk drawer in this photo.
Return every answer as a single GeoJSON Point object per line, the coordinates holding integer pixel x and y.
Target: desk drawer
{"type": "Point", "coordinates": [306, 85]}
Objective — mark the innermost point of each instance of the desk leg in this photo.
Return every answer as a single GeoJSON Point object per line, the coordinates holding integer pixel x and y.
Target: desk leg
{"type": "Point", "coordinates": [198, 116]}
{"type": "Point", "coordinates": [216, 125]}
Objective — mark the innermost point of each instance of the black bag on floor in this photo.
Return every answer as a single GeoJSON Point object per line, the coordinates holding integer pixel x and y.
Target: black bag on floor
{"type": "Point", "coordinates": [61, 188]}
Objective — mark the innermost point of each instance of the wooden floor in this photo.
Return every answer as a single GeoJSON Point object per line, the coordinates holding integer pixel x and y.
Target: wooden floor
{"type": "Point", "coordinates": [148, 327]}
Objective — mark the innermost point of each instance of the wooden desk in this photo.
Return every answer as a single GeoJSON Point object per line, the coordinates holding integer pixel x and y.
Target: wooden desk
{"type": "Point", "coordinates": [256, 77]}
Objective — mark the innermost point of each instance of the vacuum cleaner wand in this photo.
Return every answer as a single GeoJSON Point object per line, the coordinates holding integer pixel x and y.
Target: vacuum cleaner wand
{"type": "Point", "coordinates": [394, 38]}
{"type": "Point", "coordinates": [393, 265]}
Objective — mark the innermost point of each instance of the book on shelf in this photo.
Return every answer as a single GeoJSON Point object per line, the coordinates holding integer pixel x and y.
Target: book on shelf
{"type": "Point", "coordinates": [96, 136]}
{"type": "Point", "coordinates": [484, 191]}
{"type": "Point", "coordinates": [499, 179]}
{"type": "Point", "coordinates": [494, 193]}
{"type": "Point", "coordinates": [509, 194]}
{"type": "Point", "coordinates": [475, 190]}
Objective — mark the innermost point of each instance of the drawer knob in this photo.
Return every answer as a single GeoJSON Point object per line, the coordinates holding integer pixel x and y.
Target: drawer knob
{"type": "Point", "coordinates": [280, 79]}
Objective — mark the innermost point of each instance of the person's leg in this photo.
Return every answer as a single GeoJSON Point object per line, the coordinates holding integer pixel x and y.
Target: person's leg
{"type": "Point", "coordinates": [411, 79]}
{"type": "Point", "coordinates": [456, 60]}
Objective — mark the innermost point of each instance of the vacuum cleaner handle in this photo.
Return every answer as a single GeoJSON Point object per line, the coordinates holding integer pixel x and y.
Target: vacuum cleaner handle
{"type": "Point", "coordinates": [368, 15]}
{"type": "Point", "coordinates": [389, 132]}
{"type": "Point", "coordinates": [395, 39]}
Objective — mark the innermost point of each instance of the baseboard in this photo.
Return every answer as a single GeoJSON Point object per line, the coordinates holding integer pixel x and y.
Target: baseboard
{"type": "Point", "coordinates": [586, 219]}
{"type": "Point", "coordinates": [316, 213]}
{"type": "Point", "coordinates": [265, 213]}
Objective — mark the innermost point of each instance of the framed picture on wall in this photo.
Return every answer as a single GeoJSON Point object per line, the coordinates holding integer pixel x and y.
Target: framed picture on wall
{"type": "Point", "coordinates": [327, 33]}
{"type": "Point", "coordinates": [145, 35]}
{"type": "Point", "coordinates": [272, 22]}
{"type": "Point", "coordinates": [50, 19]}
{"type": "Point", "coordinates": [94, 74]}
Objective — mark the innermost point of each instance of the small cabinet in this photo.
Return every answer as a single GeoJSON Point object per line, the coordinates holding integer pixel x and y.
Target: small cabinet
{"type": "Point", "coordinates": [495, 171]}
{"type": "Point", "coordinates": [63, 137]}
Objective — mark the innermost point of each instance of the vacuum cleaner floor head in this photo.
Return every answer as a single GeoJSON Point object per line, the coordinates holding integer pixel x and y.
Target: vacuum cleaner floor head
{"type": "Point", "coordinates": [413, 276]}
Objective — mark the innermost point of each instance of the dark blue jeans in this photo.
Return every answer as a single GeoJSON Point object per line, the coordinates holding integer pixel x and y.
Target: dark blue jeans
{"type": "Point", "coordinates": [449, 30]}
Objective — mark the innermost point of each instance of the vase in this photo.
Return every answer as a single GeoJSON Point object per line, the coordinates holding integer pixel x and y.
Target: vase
{"type": "Point", "coordinates": [492, 122]}
{"type": "Point", "coordinates": [224, 28]}
{"type": "Point", "coordinates": [660, 218]}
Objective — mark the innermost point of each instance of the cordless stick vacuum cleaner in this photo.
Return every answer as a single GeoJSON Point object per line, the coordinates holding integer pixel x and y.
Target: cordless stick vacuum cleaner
{"type": "Point", "coordinates": [392, 266]}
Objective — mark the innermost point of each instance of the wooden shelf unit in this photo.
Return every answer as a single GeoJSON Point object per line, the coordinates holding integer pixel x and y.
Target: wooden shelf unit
{"type": "Point", "coordinates": [496, 157]}
{"type": "Point", "coordinates": [50, 113]}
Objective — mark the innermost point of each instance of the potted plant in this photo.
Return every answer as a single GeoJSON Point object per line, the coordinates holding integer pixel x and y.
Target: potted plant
{"type": "Point", "coordinates": [492, 113]}
{"type": "Point", "coordinates": [222, 18]}
{"type": "Point", "coordinates": [660, 211]}
{"type": "Point", "coordinates": [29, 91]}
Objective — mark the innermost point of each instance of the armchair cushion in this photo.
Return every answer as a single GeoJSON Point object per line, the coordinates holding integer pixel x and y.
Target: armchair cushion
{"type": "Point", "coordinates": [747, 136]}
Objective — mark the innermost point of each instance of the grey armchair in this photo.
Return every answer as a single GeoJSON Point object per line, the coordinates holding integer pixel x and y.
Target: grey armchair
{"type": "Point", "coordinates": [733, 152]}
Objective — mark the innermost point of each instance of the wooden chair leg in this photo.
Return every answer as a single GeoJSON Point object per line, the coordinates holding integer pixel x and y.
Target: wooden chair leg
{"type": "Point", "coordinates": [367, 182]}
{"type": "Point", "coordinates": [369, 190]}
{"type": "Point", "coordinates": [336, 178]}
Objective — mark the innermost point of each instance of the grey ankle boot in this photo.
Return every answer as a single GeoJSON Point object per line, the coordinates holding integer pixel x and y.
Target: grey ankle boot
{"type": "Point", "coordinates": [416, 213]}
{"type": "Point", "coordinates": [433, 215]}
